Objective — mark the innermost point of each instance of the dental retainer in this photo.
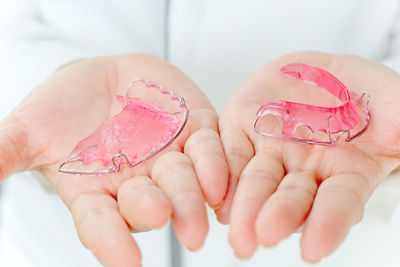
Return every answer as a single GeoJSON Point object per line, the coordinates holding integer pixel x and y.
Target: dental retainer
{"type": "Point", "coordinates": [338, 121]}
{"type": "Point", "coordinates": [141, 130]}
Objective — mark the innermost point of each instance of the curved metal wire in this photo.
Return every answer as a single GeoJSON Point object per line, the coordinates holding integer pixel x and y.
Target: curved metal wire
{"type": "Point", "coordinates": [331, 141]}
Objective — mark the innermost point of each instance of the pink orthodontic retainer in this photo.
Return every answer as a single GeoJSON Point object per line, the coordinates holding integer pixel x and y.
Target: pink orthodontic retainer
{"type": "Point", "coordinates": [138, 132]}
{"type": "Point", "coordinates": [338, 120]}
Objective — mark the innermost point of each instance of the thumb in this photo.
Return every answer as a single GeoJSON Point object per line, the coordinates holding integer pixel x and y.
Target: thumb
{"type": "Point", "coordinates": [14, 147]}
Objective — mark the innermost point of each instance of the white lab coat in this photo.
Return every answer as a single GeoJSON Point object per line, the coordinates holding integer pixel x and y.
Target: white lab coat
{"type": "Point", "coordinates": [218, 44]}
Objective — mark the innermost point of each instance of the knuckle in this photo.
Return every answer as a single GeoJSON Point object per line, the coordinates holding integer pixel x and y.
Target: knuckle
{"type": "Point", "coordinates": [203, 141]}
{"type": "Point", "coordinates": [169, 164]}
{"type": "Point", "coordinates": [347, 192]}
{"type": "Point", "coordinates": [238, 152]}
{"type": "Point", "coordinates": [175, 169]}
{"type": "Point", "coordinates": [187, 196]}
{"type": "Point", "coordinates": [267, 179]}
{"type": "Point", "coordinates": [299, 193]}
{"type": "Point", "coordinates": [172, 158]}
{"type": "Point", "coordinates": [355, 201]}
{"type": "Point", "coordinates": [86, 213]}
{"type": "Point", "coordinates": [131, 185]}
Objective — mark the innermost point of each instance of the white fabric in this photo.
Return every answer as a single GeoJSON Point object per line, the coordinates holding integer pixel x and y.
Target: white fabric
{"type": "Point", "coordinates": [218, 44]}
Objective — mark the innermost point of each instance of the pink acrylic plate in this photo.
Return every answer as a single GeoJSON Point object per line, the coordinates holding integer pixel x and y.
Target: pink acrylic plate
{"type": "Point", "coordinates": [141, 130]}
{"type": "Point", "coordinates": [337, 120]}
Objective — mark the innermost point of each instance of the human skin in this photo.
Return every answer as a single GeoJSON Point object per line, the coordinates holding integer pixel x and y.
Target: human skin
{"type": "Point", "coordinates": [41, 132]}
{"type": "Point", "coordinates": [275, 186]}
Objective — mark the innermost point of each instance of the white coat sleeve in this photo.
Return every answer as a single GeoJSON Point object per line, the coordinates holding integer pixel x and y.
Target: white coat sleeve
{"type": "Point", "coordinates": [30, 51]}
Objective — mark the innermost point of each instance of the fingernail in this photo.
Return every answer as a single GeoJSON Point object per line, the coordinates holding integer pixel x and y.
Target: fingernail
{"type": "Point", "coordinates": [215, 207]}
{"type": "Point", "coordinates": [140, 229]}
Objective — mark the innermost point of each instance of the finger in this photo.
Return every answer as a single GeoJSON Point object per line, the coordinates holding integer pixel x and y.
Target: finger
{"type": "Point", "coordinates": [143, 205]}
{"type": "Point", "coordinates": [286, 209]}
{"type": "Point", "coordinates": [204, 147]}
{"type": "Point", "coordinates": [258, 181]}
{"type": "Point", "coordinates": [103, 231]}
{"type": "Point", "coordinates": [14, 154]}
{"type": "Point", "coordinates": [173, 172]}
{"type": "Point", "coordinates": [238, 151]}
{"type": "Point", "coordinates": [338, 205]}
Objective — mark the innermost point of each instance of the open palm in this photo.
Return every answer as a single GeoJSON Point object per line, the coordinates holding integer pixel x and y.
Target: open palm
{"type": "Point", "coordinates": [41, 132]}
{"type": "Point", "coordinates": [275, 185]}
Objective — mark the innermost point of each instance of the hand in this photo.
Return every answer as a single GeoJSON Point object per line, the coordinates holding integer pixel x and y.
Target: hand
{"type": "Point", "coordinates": [41, 132]}
{"type": "Point", "coordinates": [282, 184]}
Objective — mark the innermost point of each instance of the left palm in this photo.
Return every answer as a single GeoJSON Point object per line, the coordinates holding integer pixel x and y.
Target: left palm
{"type": "Point", "coordinates": [71, 104]}
{"type": "Point", "coordinates": [282, 184]}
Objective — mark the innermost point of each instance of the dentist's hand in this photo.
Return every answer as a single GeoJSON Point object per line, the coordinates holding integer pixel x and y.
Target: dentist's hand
{"type": "Point", "coordinates": [41, 132]}
{"type": "Point", "coordinates": [276, 185]}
